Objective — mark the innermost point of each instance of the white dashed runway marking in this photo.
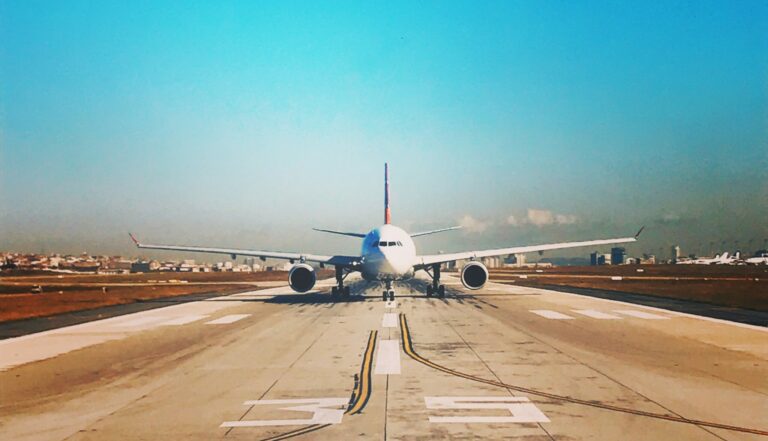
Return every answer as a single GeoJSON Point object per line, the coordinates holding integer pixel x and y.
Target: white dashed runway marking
{"type": "Point", "coordinates": [591, 313]}
{"type": "Point", "coordinates": [554, 315]}
{"type": "Point", "coordinates": [597, 314]}
{"type": "Point", "coordinates": [388, 358]}
{"type": "Point", "coordinates": [641, 314]}
{"type": "Point", "coordinates": [227, 319]}
{"type": "Point", "coordinates": [389, 320]}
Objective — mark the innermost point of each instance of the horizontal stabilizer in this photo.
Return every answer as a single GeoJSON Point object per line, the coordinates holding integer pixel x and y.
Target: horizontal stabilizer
{"type": "Point", "coordinates": [343, 233]}
{"type": "Point", "coordinates": [424, 233]}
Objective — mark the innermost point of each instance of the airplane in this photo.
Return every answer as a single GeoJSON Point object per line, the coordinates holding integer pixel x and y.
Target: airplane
{"type": "Point", "coordinates": [702, 260]}
{"type": "Point", "coordinates": [388, 254]}
{"type": "Point", "coordinates": [711, 261]}
{"type": "Point", "coordinates": [761, 258]}
{"type": "Point", "coordinates": [732, 260]}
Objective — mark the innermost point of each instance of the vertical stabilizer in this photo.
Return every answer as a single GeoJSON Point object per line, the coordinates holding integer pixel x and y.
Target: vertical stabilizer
{"type": "Point", "coordinates": [387, 213]}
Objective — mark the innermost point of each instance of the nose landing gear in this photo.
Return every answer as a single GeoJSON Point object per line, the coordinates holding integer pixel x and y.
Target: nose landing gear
{"type": "Point", "coordinates": [389, 293]}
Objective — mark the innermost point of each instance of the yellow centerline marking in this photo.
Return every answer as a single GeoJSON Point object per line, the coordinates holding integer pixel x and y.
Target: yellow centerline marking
{"type": "Point", "coordinates": [361, 393]}
{"type": "Point", "coordinates": [363, 390]}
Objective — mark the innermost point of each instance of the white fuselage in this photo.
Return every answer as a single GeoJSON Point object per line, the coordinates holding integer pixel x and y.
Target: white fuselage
{"type": "Point", "coordinates": [763, 260]}
{"type": "Point", "coordinates": [388, 253]}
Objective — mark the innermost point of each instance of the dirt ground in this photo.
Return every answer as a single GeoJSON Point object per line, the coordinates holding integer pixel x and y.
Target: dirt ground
{"type": "Point", "coordinates": [75, 292]}
{"type": "Point", "coordinates": [732, 286]}
{"type": "Point", "coordinates": [48, 277]}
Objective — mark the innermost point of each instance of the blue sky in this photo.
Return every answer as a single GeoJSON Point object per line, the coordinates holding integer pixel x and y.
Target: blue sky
{"type": "Point", "coordinates": [246, 123]}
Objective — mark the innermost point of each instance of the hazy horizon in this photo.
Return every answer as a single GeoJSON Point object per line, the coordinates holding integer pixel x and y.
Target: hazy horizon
{"type": "Point", "coordinates": [246, 124]}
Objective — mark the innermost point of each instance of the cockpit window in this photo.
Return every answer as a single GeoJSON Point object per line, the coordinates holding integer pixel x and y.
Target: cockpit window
{"type": "Point", "coordinates": [382, 244]}
{"type": "Point", "coordinates": [399, 243]}
{"type": "Point", "coordinates": [392, 244]}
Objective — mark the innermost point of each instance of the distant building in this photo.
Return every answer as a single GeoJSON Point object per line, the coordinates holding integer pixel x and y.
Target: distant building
{"type": "Point", "coordinates": [515, 260]}
{"type": "Point", "coordinates": [617, 255]}
{"type": "Point", "coordinates": [675, 253]}
{"type": "Point", "coordinates": [119, 264]}
{"type": "Point", "coordinates": [140, 267]}
{"type": "Point", "coordinates": [599, 259]}
{"type": "Point", "coordinates": [491, 262]}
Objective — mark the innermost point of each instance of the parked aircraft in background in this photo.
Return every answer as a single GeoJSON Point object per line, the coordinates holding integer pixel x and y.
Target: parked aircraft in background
{"type": "Point", "coordinates": [704, 260]}
{"type": "Point", "coordinates": [730, 260]}
{"type": "Point", "coordinates": [388, 254]}
{"type": "Point", "coordinates": [760, 259]}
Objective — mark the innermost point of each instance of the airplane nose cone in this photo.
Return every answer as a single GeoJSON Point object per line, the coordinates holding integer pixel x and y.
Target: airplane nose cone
{"type": "Point", "coordinates": [397, 263]}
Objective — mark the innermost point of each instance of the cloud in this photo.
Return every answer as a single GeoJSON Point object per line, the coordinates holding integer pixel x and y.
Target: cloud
{"type": "Point", "coordinates": [565, 219]}
{"type": "Point", "coordinates": [674, 219]}
{"type": "Point", "coordinates": [534, 216]}
{"type": "Point", "coordinates": [540, 218]}
{"type": "Point", "coordinates": [472, 225]}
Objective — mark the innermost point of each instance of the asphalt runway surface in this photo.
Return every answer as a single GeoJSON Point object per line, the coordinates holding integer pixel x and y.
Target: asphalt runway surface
{"type": "Point", "coordinates": [499, 363]}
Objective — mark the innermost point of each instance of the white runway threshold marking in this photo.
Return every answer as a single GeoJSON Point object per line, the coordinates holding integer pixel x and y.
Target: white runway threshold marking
{"type": "Point", "coordinates": [522, 410]}
{"type": "Point", "coordinates": [324, 411]}
{"type": "Point", "coordinates": [227, 319]}
{"type": "Point", "coordinates": [554, 315]}
{"type": "Point", "coordinates": [596, 314]}
{"type": "Point", "coordinates": [389, 320]}
{"type": "Point", "coordinates": [388, 358]}
{"type": "Point", "coordinates": [641, 314]}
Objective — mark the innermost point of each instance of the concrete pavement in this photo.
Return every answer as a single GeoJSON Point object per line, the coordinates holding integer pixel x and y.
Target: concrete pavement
{"type": "Point", "coordinates": [271, 364]}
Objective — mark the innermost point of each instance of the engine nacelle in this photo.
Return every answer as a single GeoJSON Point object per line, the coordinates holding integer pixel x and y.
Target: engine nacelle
{"type": "Point", "coordinates": [302, 277]}
{"type": "Point", "coordinates": [474, 275]}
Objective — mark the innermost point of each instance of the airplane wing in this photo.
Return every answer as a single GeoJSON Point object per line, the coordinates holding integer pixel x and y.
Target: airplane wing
{"type": "Point", "coordinates": [343, 233]}
{"type": "Point", "coordinates": [427, 260]}
{"type": "Point", "coordinates": [424, 233]}
{"type": "Point", "coordinates": [345, 261]}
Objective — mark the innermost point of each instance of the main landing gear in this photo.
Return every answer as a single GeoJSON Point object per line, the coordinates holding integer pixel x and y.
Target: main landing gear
{"type": "Point", "coordinates": [389, 293]}
{"type": "Point", "coordinates": [340, 289]}
{"type": "Point", "coordinates": [435, 288]}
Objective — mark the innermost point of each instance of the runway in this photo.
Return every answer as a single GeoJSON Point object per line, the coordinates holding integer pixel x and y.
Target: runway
{"type": "Point", "coordinates": [503, 362]}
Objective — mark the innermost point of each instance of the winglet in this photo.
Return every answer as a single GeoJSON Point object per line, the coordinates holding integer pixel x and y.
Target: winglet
{"type": "Point", "coordinates": [639, 231]}
{"type": "Point", "coordinates": [133, 238]}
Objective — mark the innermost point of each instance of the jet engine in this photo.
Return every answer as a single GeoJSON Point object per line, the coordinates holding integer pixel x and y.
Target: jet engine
{"type": "Point", "coordinates": [474, 275]}
{"type": "Point", "coordinates": [302, 277]}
